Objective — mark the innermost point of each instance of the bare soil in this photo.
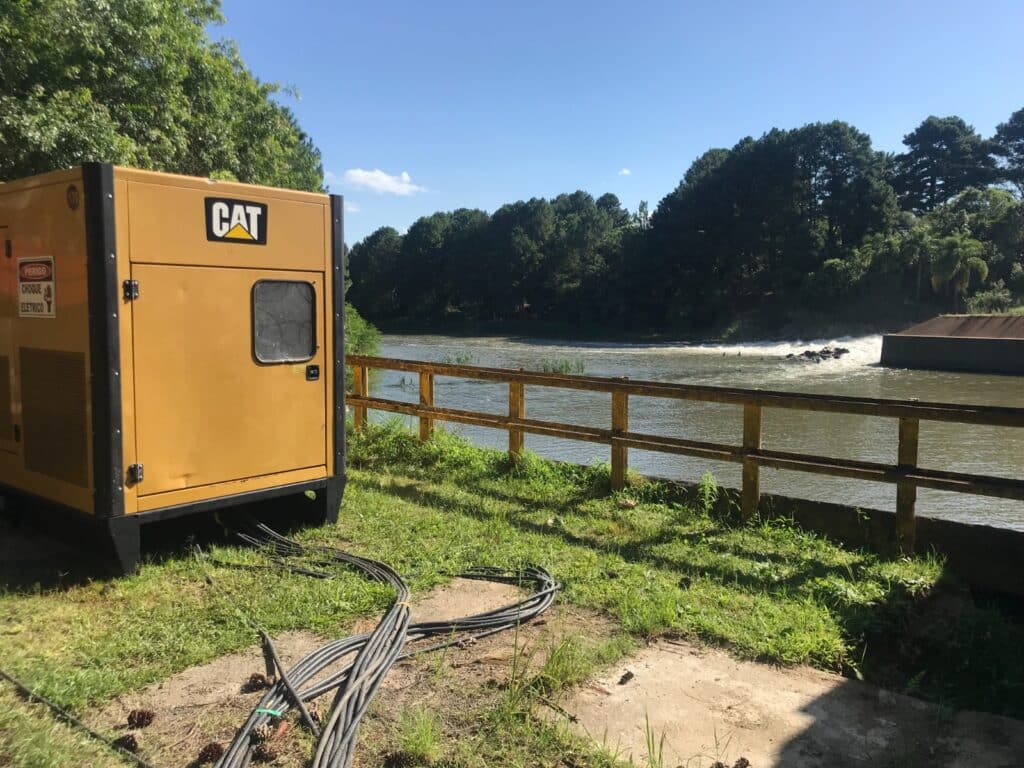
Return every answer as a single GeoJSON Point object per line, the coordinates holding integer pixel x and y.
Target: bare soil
{"type": "Point", "coordinates": [708, 707]}
{"type": "Point", "coordinates": [206, 704]}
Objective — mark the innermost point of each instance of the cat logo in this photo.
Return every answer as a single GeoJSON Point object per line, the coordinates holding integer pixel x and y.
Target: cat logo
{"type": "Point", "coordinates": [236, 221]}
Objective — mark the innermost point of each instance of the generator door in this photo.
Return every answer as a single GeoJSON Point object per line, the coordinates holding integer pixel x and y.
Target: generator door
{"type": "Point", "coordinates": [229, 378]}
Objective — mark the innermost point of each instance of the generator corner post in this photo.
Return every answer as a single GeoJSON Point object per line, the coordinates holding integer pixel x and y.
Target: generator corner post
{"type": "Point", "coordinates": [105, 365]}
{"type": "Point", "coordinates": [335, 487]}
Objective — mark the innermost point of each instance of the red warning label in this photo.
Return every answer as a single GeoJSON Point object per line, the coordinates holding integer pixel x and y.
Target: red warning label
{"type": "Point", "coordinates": [36, 296]}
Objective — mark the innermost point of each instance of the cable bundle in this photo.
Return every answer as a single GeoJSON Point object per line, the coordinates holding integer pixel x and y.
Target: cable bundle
{"type": "Point", "coordinates": [372, 653]}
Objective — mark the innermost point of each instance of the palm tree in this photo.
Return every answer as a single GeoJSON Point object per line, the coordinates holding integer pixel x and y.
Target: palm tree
{"type": "Point", "coordinates": [955, 259]}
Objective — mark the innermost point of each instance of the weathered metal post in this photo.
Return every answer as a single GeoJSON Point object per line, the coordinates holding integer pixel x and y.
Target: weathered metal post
{"type": "Point", "coordinates": [751, 469]}
{"type": "Point", "coordinates": [620, 425]}
{"type": "Point", "coordinates": [906, 493]}
{"type": "Point", "coordinates": [360, 389]}
{"type": "Point", "coordinates": [516, 410]}
{"type": "Point", "coordinates": [426, 398]}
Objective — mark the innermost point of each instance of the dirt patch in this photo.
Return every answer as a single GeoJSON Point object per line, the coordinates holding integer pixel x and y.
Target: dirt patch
{"type": "Point", "coordinates": [460, 684]}
{"type": "Point", "coordinates": [206, 703]}
{"type": "Point", "coordinates": [203, 704]}
{"type": "Point", "coordinates": [711, 707]}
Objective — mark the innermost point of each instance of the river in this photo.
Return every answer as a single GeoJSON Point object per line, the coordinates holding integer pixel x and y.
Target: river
{"type": "Point", "coordinates": [963, 448]}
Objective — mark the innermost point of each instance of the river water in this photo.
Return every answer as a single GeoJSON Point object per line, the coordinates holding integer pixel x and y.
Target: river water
{"type": "Point", "coordinates": [963, 448]}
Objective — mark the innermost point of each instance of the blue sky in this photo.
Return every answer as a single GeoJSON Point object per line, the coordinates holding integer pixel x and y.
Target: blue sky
{"type": "Point", "coordinates": [425, 106]}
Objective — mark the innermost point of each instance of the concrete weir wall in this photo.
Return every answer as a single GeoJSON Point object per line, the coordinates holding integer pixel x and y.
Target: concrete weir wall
{"type": "Point", "coordinates": [954, 353]}
{"type": "Point", "coordinates": [978, 343]}
{"type": "Point", "coordinates": [985, 557]}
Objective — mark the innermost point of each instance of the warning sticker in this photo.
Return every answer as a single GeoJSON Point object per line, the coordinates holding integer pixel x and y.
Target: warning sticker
{"type": "Point", "coordinates": [35, 287]}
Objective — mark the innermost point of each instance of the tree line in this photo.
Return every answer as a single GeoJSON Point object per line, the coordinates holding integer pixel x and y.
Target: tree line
{"type": "Point", "coordinates": [807, 226]}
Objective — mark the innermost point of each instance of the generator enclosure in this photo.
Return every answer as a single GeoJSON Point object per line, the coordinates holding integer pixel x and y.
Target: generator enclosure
{"type": "Point", "coordinates": [169, 345]}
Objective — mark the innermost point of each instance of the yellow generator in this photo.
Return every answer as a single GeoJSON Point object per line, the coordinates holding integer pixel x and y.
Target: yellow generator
{"type": "Point", "coordinates": [169, 345]}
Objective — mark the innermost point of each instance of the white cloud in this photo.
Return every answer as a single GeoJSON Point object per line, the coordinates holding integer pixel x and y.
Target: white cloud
{"type": "Point", "coordinates": [625, 172]}
{"type": "Point", "coordinates": [380, 182]}
{"type": "Point", "coordinates": [352, 207]}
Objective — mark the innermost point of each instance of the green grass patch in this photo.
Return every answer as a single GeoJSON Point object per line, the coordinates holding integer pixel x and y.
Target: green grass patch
{"type": "Point", "coordinates": [656, 559]}
{"type": "Point", "coordinates": [31, 738]}
{"type": "Point", "coordinates": [660, 559]}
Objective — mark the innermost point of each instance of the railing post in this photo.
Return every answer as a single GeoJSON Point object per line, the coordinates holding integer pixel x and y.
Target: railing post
{"type": "Point", "coordinates": [426, 398]}
{"type": "Point", "coordinates": [620, 453]}
{"type": "Point", "coordinates": [751, 469]}
{"type": "Point", "coordinates": [906, 493]}
{"type": "Point", "coordinates": [360, 389]}
{"type": "Point", "coordinates": [516, 410]}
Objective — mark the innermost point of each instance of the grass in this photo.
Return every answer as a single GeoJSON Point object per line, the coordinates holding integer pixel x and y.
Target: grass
{"type": "Point", "coordinates": [457, 358]}
{"type": "Point", "coordinates": [29, 736]}
{"type": "Point", "coordinates": [564, 365]}
{"type": "Point", "coordinates": [655, 559]}
{"type": "Point", "coordinates": [678, 563]}
{"type": "Point", "coordinates": [419, 736]}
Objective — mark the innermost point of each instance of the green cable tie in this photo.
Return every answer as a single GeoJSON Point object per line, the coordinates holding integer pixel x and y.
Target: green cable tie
{"type": "Point", "coordinates": [274, 712]}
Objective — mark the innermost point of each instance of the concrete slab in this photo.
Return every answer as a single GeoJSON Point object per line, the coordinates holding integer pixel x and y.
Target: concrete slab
{"type": "Point", "coordinates": [711, 707]}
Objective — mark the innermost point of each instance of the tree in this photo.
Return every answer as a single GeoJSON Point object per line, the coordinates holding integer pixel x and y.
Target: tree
{"type": "Point", "coordinates": [704, 166]}
{"type": "Point", "coordinates": [848, 196]}
{"type": "Point", "coordinates": [373, 265]}
{"type": "Point", "coordinates": [956, 259]}
{"type": "Point", "coordinates": [1010, 140]}
{"type": "Point", "coordinates": [139, 82]}
{"type": "Point", "coordinates": [944, 157]}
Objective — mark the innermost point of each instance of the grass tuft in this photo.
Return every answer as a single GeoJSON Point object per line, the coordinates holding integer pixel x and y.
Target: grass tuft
{"type": "Point", "coordinates": [419, 737]}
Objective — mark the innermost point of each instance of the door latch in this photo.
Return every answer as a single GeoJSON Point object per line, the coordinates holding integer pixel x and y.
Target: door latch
{"type": "Point", "coordinates": [131, 289]}
{"type": "Point", "coordinates": [312, 372]}
{"type": "Point", "coordinates": [135, 474]}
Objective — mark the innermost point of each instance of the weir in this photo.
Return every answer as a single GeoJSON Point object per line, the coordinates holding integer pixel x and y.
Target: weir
{"type": "Point", "coordinates": [976, 343]}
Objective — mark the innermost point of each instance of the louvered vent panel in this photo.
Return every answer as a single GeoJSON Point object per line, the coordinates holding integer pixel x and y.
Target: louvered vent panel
{"type": "Point", "coordinates": [54, 426]}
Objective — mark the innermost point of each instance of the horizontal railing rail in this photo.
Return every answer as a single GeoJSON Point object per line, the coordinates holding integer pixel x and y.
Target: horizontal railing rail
{"type": "Point", "coordinates": [905, 474]}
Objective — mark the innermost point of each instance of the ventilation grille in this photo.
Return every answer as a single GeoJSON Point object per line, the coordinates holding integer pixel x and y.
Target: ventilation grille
{"type": "Point", "coordinates": [54, 414]}
{"type": "Point", "coordinates": [6, 417]}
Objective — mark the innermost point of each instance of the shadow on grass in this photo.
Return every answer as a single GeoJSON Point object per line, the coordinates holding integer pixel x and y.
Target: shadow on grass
{"type": "Point", "coordinates": [943, 644]}
{"type": "Point", "coordinates": [638, 550]}
{"type": "Point", "coordinates": [40, 551]}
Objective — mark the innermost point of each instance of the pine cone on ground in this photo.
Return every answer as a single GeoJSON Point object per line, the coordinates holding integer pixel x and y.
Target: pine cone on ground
{"type": "Point", "coordinates": [211, 753]}
{"type": "Point", "coordinates": [262, 733]}
{"type": "Point", "coordinates": [129, 741]}
{"type": "Point", "coordinates": [140, 718]}
{"type": "Point", "coordinates": [257, 682]}
{"type": "Point", "coordinates": [263, 754]}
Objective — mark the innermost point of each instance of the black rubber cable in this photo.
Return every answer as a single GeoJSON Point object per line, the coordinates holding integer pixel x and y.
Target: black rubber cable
{"type": "Point", "coordinates": [282, 675]}
{"type": "Point", "coordinates": [63, 714]}
{"type": "Point", "coordinates": [356, 683]}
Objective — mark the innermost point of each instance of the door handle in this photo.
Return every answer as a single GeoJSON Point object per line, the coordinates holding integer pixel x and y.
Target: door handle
{"type": "Point", "coordinates": [312, 372]}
